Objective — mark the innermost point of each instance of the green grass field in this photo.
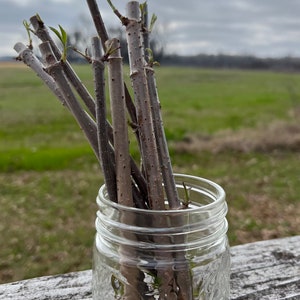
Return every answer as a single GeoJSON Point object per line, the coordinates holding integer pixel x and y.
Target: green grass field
{"type": "Point", "coordinates": [49, 176]}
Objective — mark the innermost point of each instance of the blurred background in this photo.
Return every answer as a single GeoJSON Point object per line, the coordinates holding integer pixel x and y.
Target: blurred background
{"type": "Point", "coordinates": [228, 83]}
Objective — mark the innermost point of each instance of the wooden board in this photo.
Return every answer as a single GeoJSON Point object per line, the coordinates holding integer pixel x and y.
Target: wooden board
{"type": "Point", "coordinates": [267, 270]}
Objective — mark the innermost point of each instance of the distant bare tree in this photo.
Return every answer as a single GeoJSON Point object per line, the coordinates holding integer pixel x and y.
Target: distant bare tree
{"type": "Point", "coordinates": [80, 38]}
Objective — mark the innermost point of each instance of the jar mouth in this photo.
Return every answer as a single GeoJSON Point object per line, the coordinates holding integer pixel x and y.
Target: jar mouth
{"type": "Point", "coordinates": [201, 223]}
{"type": "Point", "coordinates": [215, 196]}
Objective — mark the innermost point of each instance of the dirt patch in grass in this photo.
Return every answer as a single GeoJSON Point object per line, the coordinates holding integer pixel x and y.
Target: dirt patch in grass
{"type": "Point", "coordinates": [268, 211]}
{"type": "Point", "coordinates": [47, 218]}
{"type": "Point", "coordinates": [12, 64]}
{"type": "Point", "coordinates": [278, 136]}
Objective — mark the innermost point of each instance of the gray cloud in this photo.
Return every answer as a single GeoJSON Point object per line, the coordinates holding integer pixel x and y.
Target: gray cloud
{"type": "Point", "coordinates": [263, 28]}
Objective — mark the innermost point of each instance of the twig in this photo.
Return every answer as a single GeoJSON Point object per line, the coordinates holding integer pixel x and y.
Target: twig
{"type": "Point", "coordinates": [54, 68]}
{"type": "Point", "coordinates": [123, 179]}
{"type": "Point", "coordinates": [141, 95]}
{"type": "Point", "coordinates": [105, 151]}
{"type": "Point", "coordinates": [98, 21]}
{"type": "Point", "coordinates": [117, 100]}
{"type": "Point", "coordinates": [162, 146]}
{"type": "Point", "coordinates": [106, 139]}
{"type": "Point", "coordinates": [43, 34]}
{"type": "Point", "coordinates": [125, 183]}
{"type": "Point", "coordinates": [27, 56]}
{"type": "Point", "coordinates": [145, 31]}
{"type": "Point", "coordinates": [123, 19]}
{"type": "Point", "coordinates": [102, 32]}
{"type": "Point", "coordinates": [182, 276]}
{"type": "Point", "coordinates": [140, 185]}
{"type": "Point", "coordinates": [63, 94]}
{"type": "Point", "coordinates": [160, 137]}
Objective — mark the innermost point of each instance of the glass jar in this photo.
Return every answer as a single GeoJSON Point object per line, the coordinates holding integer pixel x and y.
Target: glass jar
{"type": "Point", "coordinates": [169, 254]}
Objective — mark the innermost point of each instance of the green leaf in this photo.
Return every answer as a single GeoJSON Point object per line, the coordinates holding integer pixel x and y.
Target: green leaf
{"type": "Point", "coordinates": [111, 5]}
{"type": "Point", "coordinates": [150, 53]}
{"type": "Point", "coordinates": [57, 33]}
{"type": "Point", "coordinates": [63, 35]}
{"type": "Point", "coordinates": [143, 8]}
{"type": "Point", "coordinates": [28, 30]}
{"type": "Point", "coordinates": [152, 22]}
{"type": "Point", "coordinates": [39, 18]}
{"type": "Point", "coordinates": [186, 200]}
{"type": "Point", "coordinates": [26, 24]}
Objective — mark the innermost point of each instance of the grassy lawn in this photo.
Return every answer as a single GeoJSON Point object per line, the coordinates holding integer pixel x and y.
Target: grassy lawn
{"type": "Point", "coordinates": [49, 176]}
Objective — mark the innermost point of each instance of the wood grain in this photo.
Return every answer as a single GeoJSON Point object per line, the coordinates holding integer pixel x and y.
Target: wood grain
{"type": "Point", "coordinates": [266, 270]}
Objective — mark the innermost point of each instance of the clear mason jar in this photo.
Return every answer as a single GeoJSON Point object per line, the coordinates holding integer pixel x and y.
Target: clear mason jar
{"type": "Point", "coordinates": [171, 254]}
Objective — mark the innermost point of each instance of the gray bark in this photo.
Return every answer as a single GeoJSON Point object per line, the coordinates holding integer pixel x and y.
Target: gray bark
{"type": "Point", "coordinates": [142, 101]}
{"type": "Point", "coordinates": [55, 69]}
{"type": "Point", "coordinates": [119, 123]}
{"type": "Point", "coordinates": [27, 56]}
{"type": "Point", "coordinates": [106, 152]}
{"type": "Point", "coordinates": [161, 142]}
{"type": "Point", "coordinates": [42, 33]}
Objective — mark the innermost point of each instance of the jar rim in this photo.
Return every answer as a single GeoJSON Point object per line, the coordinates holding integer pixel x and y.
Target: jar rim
{"type": "Point", "coordinates": [217, 190]}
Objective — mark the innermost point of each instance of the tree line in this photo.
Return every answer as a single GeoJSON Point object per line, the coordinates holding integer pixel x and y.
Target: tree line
{"type": "Point", "coordinates": [158, 45]}
{"type": "Point", "coordinates": [287, 63]}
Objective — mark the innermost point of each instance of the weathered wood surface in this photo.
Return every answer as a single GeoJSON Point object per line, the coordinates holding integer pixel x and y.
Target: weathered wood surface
{"type": "Point", "coordinates": [267, 270]}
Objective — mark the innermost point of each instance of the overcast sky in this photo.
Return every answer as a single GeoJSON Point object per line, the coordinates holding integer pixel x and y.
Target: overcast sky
{"type": "Point", "coordinates": [265, 28]}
